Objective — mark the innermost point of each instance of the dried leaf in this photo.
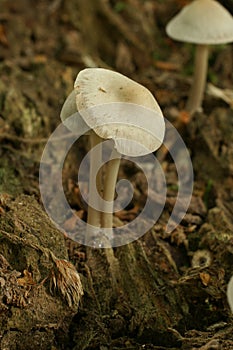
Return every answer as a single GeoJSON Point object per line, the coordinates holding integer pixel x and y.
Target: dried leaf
{"type": "Point", "coordinates": [70, 224]}
{"type": "Point", "coordinates": [170, 66]}
{"type": "Point", "coordinates": [205, 278]}
{"type": "Point", "coordinates": [3, 38]}
{"type": "Point", "coordinates": [40, 59]}
{"type": "Point", "coordinates": [26, 280]}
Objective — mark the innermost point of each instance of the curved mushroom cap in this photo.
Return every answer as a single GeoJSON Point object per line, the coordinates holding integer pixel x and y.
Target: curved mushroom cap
{"type": "Point", "coordinates": [202, 22]}
{"type": "Point", "coordinates": [118, 108]}
{"type": "Point", "coordinates": [70, 116]}
{"type": "Point", "coordinates": [69, 107]}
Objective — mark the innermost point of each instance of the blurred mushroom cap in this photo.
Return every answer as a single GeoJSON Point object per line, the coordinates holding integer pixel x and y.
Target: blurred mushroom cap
{"type": "Point", "coordinates": [202, 22]}
{"type": "Point", "coordinates": [230, 293]}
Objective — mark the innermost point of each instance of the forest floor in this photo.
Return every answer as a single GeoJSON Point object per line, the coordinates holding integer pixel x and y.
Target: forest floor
{"type": "Point", "coordinates": [170, 288]}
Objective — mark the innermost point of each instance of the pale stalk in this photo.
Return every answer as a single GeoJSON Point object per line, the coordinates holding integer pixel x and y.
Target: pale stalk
{"type": "Point", "coordinates": [109, 189]}
{"type": "Point", "coordinates": [95, 182]}
{"type": "Point", "coordinates": [199, 79]}
{"type": "Point", "coordinates": [110, 180]}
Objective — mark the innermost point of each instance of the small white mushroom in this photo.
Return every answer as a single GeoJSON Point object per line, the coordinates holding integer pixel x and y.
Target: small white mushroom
{"type": "Point", "coordinates": [202, 22]}
{"type": "Point", "coordinates": [117, 108]}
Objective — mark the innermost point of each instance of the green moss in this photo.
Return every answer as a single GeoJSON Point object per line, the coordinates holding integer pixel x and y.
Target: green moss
{"type": "Point", "coordinates": [9, 181]}
{"type": "Point", "coordinates": [173, 187]}
{"type": "Point", "coordinates": [207, 193]}
{"type": "Point", "coordinates": [120, 6]}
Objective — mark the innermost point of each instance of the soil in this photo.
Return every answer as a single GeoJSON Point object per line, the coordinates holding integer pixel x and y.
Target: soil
{"type": "Point", "coordinates": [164, 290]}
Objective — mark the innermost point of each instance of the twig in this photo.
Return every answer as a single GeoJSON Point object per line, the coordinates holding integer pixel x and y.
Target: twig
{"type": "Point", "coordinates": [12, 137]}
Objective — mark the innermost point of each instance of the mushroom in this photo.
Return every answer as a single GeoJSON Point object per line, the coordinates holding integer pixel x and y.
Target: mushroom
{"type": "Point", "coordinates": [117, 108]}
{"type": "Point", "coordinates": [230, 293]}
{"type": "Point", "coordinates": [202, 22]}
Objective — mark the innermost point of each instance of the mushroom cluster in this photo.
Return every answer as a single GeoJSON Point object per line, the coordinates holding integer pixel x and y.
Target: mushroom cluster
{"type": "Point", "coordinates": [202, 22]}
{"type": "Point", "coordinates": [107, 105]}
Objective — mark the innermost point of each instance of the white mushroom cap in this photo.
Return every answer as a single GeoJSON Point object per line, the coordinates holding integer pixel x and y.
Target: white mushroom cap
{"type": "Point", "coordinates": [118, 108]}
{"type": "Point", "coordinates": [202, 22]}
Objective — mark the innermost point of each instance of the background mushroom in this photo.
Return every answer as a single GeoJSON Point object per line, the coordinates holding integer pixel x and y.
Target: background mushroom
{"type": "Point", "coordinates": [117, 108]}
{"type": "Point", "coordinates": [230, 293]}
{"type": "Point", "coordinates": [201, 22]}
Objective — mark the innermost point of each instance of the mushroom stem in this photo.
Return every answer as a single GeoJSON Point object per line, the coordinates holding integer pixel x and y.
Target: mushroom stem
{"type": "Point", "coordinates": [199, 80]}
{"type": "Point", "coordinates": [95, 181]}
{"type": "Point", "coordinates": [109, 189]}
